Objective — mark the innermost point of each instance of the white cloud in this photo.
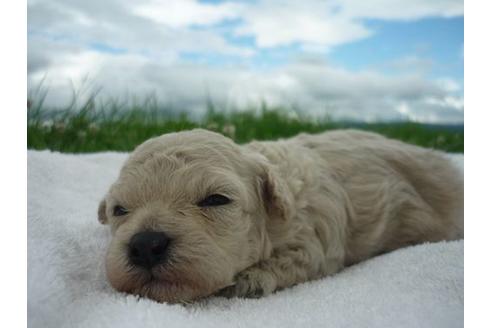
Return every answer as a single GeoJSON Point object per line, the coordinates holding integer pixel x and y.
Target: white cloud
{"type": "Point", "coordinates": [182, 13]}
{"type": "Point", "coordinates": [411, 64]}
{"type": "Point", "coordinates": [164, 25]}
{"type": "Point", "coordinates": [313, 86]}
{"type": "Point", "coordinates": [402, 9]}
{"type": "Point", "coordinates": [449, 102]}
{"type": "Point", "coordinates": [331, 22]}
{"type": "Point", "coordinates": [275, 23]}
{"type": "Point", "coordinates": [114, 24]}
{"type": "Point", "coordinates": [135, 48]}
{"type": "Point", "coordinates": [449, 85]}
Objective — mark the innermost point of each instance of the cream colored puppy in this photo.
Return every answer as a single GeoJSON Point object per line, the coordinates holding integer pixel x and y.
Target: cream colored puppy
{"type": "Point", "coordinates": [194, 214]}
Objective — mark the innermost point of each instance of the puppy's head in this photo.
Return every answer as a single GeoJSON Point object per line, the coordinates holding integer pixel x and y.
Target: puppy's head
{"type": "Point", "coordinates": [189, 211]}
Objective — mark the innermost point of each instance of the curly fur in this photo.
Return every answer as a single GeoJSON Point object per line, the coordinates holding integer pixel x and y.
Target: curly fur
{"type": "Point", "coordinates": [302, 208]}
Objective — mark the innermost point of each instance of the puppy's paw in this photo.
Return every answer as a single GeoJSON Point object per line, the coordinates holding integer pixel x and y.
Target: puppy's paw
{"type": "Point", "coordinates": [251, 283]}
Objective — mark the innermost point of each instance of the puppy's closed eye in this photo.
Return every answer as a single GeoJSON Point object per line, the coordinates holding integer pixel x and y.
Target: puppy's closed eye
{"type": "Point", "coordinates": [214, 200]}
{"type": "Point", "coordinates": [119, 210]}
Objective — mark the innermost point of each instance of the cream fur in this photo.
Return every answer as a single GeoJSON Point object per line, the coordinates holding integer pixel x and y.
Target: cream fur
{"type": "Point", "coordinates": [302, 208]}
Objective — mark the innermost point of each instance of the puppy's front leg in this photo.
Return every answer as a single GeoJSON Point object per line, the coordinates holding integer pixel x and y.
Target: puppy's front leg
{"type": "Point", "coordinates": [284, 268]}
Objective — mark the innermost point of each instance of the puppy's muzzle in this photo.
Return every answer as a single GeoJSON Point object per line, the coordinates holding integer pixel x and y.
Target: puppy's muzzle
{"type": "Point", "coordinates": [148, 249]}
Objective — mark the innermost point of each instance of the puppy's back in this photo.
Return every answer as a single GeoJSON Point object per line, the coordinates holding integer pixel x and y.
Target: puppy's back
{"type": "Point", "coordinates": [400, 194]}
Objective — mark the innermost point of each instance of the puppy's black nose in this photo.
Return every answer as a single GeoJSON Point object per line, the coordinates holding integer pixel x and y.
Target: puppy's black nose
{"type": "Point", "coordinates": [149, 248]}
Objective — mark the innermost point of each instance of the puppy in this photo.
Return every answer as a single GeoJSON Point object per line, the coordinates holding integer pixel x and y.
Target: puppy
{"type": "Point", "coordinates": [194, 214]}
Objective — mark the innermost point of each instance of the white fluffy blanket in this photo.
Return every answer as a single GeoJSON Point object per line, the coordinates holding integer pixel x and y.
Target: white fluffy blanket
{"type": "Point", "coordinates": [419, 286]}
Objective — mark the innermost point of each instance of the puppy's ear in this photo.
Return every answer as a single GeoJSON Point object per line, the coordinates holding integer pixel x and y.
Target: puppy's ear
{"type": "Point", "coordinates": [101, 212]}
{"type": "Point", "coordinates": [277, 198]}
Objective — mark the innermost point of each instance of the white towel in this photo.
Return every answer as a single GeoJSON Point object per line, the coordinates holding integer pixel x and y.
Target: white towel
{"type": "Point", "coordinates": [419, 286]}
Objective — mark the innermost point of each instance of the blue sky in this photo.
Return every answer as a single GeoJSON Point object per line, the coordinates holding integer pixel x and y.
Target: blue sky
{"type": "Point", "coordinates": [350, 59]}
{"type": "Point", "coordinates": [438, 40]}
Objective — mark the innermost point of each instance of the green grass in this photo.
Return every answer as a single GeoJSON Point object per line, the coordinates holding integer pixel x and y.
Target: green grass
{"type": "Point", "coordinates": [120, 127]}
